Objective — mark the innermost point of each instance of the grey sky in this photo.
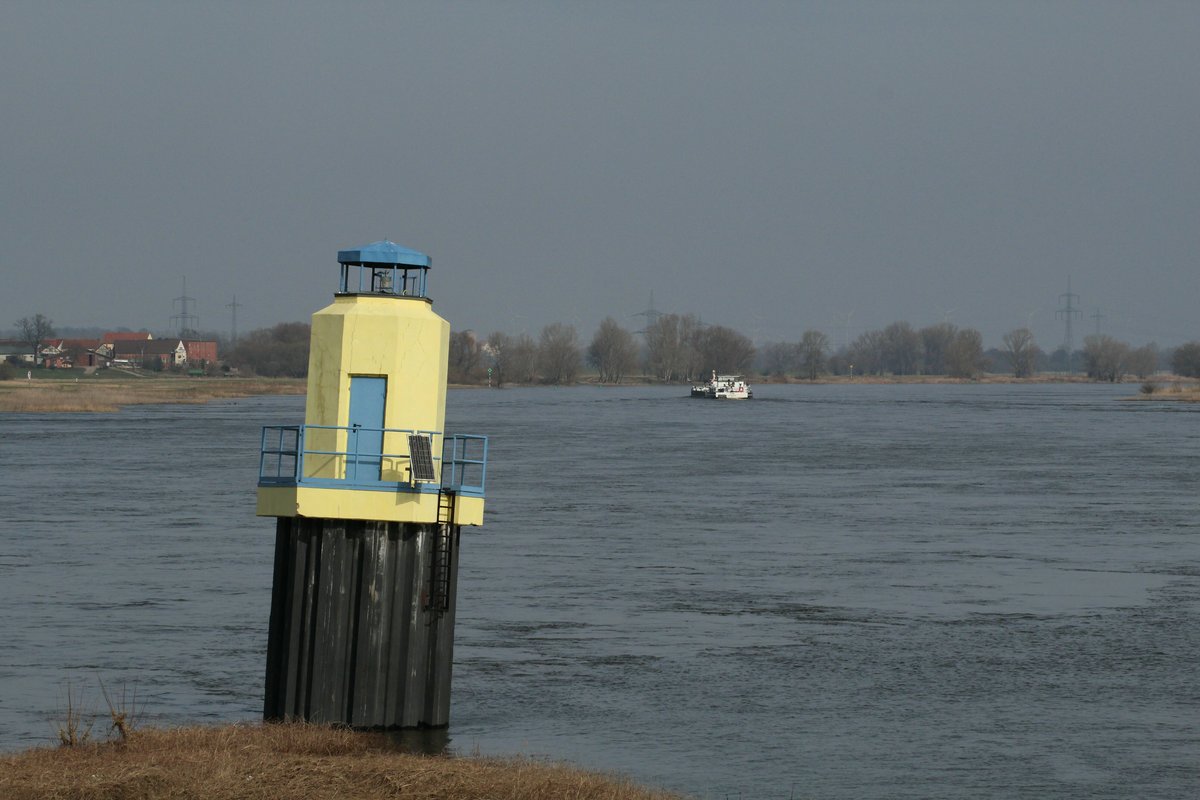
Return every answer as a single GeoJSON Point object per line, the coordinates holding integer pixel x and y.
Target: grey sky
{"type": "Point", "coordinates": [769, 166]}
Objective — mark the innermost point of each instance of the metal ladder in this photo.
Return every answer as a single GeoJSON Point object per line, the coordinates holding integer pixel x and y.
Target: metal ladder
{"type": "Point", "coordinates": [442, 558]}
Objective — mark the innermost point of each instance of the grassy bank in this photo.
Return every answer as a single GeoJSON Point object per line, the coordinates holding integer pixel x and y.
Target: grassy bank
{"type": "Point", "coordinates": [55, 391]}
{"type": "Point", "coordinates": [255, 762]}
{"type": "Point", "coordinates": [1189, 393]}
{"type": "Point", "coordinates": [88, 393]}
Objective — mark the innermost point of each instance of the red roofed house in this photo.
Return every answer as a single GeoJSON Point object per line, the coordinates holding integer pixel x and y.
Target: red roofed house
{"type": "Point", "coordinates": [200, 353]}
{"type": "Point", "coordinates": [126, 336]}
{"type": "Point", "coordinates": [168, 352]}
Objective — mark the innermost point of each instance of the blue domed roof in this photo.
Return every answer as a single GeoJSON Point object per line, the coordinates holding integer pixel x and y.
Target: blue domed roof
{"type": "Point", "coordinates": [384, 252]}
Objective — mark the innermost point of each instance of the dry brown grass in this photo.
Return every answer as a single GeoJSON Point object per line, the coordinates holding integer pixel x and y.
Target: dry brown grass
{"type": "Point", "coordinates": [1189, 395]}
{"type": "Point", "coordinates": [256, 762]}
{"type": "Point", "coordinates": [95, 395]}
{"type": "Point", "coordinates": [1184, 390]}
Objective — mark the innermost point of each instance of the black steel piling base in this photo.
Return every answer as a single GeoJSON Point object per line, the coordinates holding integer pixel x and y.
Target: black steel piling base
{"type": "Point", "coordinates": [362, 623]}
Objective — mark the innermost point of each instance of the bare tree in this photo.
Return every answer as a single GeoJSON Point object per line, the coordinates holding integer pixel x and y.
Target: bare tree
{"type": "Point", "coordinates": [814, 349]}
{"type": "Point", "coordinates": [520, 360]}
{"type": "Point", "coordinates": [1185, 360]}
{"type": "Point", "coordinates": [691, 337]}
{"type": "Point", "coordinates": [965, 358]}
{"type": "Point", "coordinates": [33, 331]}
{"type": "Point", "coordinates": [901, 349]}
{"type": "Point", "coordinates": [936, 341]}
{"type": "Point", "coordinates": [513, 358]}
{"type": "Point", "coordinates": [866, 353]}
{"type": "Point", "coordinates": [780, 358]}
{"type": "Point", "coordinates": [1143, 362]}
{"type": "Point", "coordinates": [497, 350]}
{"type": "Point", "coordinates": [839, 361]}
{"type": "Point", "coordinates": [725, 350]}
{"type": "Point", "coordinates": [1104, 357]}
{"type": "Point", "coordinates": [613, 351]}
{"type": "Point", "coordinates": [664, 348]}
{"type": "Point", "coordinates": [1022, 352]}
{"type": "Point", "coordinates": [559, 356]}
{"type": "Point", "coordinates": [466, 357]}
{"type": "Point", "coordinates": [672, 347]}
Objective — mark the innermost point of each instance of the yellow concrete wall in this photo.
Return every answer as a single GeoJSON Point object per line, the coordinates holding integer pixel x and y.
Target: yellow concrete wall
{"type": "Point", "coordinates": [395, 337]}
{"type": "Point", "coordinates": [399, 338]}
{"type": "Point", "coordinates": [292, 501]}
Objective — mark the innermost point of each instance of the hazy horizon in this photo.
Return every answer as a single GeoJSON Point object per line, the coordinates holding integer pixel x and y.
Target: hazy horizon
{"type": "Point", "coordinates": [835, 338]}
{"type": "Point", "coordinates": [771, 167]}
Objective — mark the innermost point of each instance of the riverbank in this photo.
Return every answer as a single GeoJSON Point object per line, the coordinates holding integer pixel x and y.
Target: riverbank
{"type": "Point", "coordinates": [305, 762]}
{"type": "Point", "coordinates": [63, 391]}
{"type": "Point", "coordinates": [1174, 392]}
{"type": "Point", "coordinates": [82, 394]}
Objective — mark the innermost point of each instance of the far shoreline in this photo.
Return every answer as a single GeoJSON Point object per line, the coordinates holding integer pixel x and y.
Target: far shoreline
{"type": "Point", "coordinates": [77, 393]}
{"type": "Point", "coordinates": [58, 391]}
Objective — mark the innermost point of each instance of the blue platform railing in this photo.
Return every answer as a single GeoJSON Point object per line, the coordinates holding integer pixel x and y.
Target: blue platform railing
{"type": "Point", "coordinates": [464, 463]}
{"type": "Point", "coordinates": [286, 451]}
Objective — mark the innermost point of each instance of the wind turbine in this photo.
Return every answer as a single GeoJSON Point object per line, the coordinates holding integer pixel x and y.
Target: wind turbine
{"type": "Point", "coordinates": [846, 330]}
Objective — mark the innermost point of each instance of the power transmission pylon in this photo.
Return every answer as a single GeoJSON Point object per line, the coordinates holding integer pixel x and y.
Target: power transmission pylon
{"type": "Point", "coordinates": [1069, 313]}
{"type": "Point", "coordinates": [185, 319]}
{"type": "Point", "coordinates": [651, 314]}
{"type": "Point", "coordinates": [234, 306]}
{"type": "Point", "coordinates": [1097, 316]}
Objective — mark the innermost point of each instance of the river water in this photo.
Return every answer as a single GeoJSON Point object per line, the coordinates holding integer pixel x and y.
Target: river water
{"type": "Point", "coordinates": [828, 592]}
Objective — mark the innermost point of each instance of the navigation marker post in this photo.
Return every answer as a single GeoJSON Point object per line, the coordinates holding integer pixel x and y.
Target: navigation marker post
{"type": "Point", "coordinates": [370, 496]}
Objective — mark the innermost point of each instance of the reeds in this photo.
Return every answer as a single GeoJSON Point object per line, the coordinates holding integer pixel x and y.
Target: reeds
{"type": "Point", "coordinates": [122, 709]}
{"type": "Point", "coordinates": [93, 395]}
{"type": "Point", "coordinates": [74, 730]}
{"type": "Point", "coordinates": [256, 762]}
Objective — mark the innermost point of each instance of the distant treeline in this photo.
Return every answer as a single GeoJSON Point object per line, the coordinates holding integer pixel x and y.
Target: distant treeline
{"type": "Point", "coordinates": [278, 352]}
{"type": "Point", "coordinates": [679, 347]}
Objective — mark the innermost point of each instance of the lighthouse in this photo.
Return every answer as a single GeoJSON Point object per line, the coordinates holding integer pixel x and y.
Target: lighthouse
{"type": "Point", "coordinates": [370, 495]}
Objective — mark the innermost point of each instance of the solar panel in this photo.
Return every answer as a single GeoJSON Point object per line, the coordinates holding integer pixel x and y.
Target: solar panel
{"type": "Point", "coordinates": [420, 458]}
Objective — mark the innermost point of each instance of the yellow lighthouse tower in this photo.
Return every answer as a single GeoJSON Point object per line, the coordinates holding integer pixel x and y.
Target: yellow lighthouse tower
{"type": "Point", "coordinates": [370, 495]}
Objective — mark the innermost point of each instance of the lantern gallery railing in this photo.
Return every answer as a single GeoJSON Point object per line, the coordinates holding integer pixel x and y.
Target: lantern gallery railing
{"type": "Point", "coordinates": [381, 459]}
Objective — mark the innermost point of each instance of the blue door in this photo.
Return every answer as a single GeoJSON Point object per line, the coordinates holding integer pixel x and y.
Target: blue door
{"type": "Point", "coordinates": [365, 441]}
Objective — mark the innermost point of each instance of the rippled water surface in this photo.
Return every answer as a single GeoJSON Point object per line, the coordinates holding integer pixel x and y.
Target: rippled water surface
{"type": "Point", "coordinates": [836, 591]}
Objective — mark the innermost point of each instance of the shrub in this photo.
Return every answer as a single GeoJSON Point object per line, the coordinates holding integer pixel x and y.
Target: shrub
{"type": "Point", "coordinates": [1186, 360]}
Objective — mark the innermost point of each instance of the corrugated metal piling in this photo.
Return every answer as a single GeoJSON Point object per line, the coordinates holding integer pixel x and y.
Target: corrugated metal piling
{"type": "Point", "coordinates": [370, 496]}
